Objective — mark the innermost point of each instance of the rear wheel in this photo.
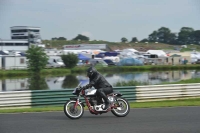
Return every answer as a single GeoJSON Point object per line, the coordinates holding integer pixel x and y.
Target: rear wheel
{"type": "Point", "coordinates": [123, 109]}
{"type": "Point", "coordinates": [71, 112]}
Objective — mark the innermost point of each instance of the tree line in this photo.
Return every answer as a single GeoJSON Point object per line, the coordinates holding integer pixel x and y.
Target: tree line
{"type": "Point", "coordinates": [186, 35]}
{"type": "Point", "coordinates": [77, 38]}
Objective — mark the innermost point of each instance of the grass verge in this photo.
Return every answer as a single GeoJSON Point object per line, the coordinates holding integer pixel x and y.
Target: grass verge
{"type": "Point", "coordinates": [166, 103]}
{"type": "Point", "coordinates": [56, 71]}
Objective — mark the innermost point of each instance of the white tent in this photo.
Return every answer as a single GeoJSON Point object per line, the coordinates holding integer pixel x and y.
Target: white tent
{"type": "Point", "coordinates": [194, 57]}
{"type": "Point", "coordinates": [129, 53]}
{"type": "Point", "coordinates": [160, 53]}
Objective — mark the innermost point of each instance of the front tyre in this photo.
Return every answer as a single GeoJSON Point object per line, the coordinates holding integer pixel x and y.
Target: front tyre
{"type": "Point", "coordinates": [71, 112]}
{"type": "Point", "coordinates": [123, 109]}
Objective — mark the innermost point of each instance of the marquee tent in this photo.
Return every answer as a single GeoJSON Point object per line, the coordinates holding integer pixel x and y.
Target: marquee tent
{"type": "Point", "coordinates": [82, 57]}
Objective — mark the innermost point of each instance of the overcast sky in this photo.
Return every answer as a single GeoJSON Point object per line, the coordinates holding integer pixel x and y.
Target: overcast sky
{"type": "Point", "coordinates": [108, 20]}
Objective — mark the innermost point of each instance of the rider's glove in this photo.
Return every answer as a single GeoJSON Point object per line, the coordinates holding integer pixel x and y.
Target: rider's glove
{"type": "Point", "coordinates": [86, 87]}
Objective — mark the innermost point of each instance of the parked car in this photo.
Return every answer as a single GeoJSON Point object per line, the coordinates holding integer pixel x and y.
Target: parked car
{"type": "Point", "coordinates": [52, 65]}
{"type": "Point", "coordinates": [109, 62]}
{"type": "Point", "coordinates": [81, 63]}
{"type": "Point", "coordinates": [97, 62]}
{"type": "Point", "coordinates": [55, 61]}
{"type": "Point", "coordinates": [198, 61]}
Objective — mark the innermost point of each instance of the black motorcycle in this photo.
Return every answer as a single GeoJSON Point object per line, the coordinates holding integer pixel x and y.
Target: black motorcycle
{"type": "Point", "coordinates": [74, 108]}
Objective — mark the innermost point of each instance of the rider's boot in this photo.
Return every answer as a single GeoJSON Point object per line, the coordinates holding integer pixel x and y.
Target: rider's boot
{"type": "Point", "coordinates": [99, 101]}
{"type": "Point", "coordinates": [107, 103]}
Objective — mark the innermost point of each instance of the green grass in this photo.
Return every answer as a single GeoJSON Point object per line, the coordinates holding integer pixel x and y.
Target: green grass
{"type": "Point", "coordinates": [120, 45]}
{"type": "Point", "coordinates": [138, 68]}
{"type": "Point", "coordinates": [56, 71]}
{"type": "Point", "coordinates": [25, 73]}
{"type": "Point", "coordinates": [154, 104]}
{"type": "Point", "coordinates": [130, 83]}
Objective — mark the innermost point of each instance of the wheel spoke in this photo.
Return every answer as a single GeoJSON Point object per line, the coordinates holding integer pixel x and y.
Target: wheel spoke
{"type": "Point", "coordinates": [72, 112]}
{"type": "Point", "coordinates": [122, 109]}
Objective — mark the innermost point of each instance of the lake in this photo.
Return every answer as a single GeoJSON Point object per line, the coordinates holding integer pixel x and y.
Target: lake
{"type": "Point", "coordinates": [71, 81]}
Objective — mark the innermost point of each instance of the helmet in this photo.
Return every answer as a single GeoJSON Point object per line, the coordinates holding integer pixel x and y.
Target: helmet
{"type": "Point", "coordinates": [91, 71]}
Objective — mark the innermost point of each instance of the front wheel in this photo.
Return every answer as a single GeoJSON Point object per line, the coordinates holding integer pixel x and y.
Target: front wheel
{"type": "Point", "coordinates": [123, 108]}
{"type": "Point", "coordinates": [71, 112]}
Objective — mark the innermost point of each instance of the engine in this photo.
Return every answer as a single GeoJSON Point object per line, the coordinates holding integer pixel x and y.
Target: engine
{"type": "Point", "coordinates": [99, 106]}
{"type": "Point", "coordinates": [111, 99]}
{"type": "Point", "coordinates": [93, 101]}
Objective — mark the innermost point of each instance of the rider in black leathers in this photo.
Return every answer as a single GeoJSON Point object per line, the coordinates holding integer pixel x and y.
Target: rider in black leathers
{"type": "Point", "coordinates": [99, 83]}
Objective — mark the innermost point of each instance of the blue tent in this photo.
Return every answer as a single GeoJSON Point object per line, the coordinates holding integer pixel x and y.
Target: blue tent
{"type": "Point", "coordinates": [130, 62]}
{"type": "Point", "coordinates": [82, 57]}
{"type": "Point", "coordinates": [103, 54]}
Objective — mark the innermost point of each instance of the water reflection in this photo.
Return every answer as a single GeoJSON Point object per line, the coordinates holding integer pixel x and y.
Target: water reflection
{"type": "Point", "coordinates": [197, 74]}
{"type": "Point", "coordinates": [36, 82]}
{"type": "Point", "coordinates": [13, 84]}
{"type": "Point", "coordinates": [70, 81]}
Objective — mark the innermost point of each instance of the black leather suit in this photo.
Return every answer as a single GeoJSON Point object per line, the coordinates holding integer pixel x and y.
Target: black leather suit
{"type": "Point", "coordinates": [101, 84]}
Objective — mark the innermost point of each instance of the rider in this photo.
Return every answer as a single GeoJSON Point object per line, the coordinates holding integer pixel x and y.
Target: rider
{"type": "Point", "coordinates": [99, 83]}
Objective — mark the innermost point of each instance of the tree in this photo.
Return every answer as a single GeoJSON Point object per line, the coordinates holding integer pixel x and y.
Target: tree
{"type": "Point", "coordinates": [37, 59]}
{"type": "Point", "coordinates": [82, 38]}
{"type": "Point", "coordinates": [196, 36]}
{"type": "Point", "coordinates": [124, 39]}
{"type": "Point", "coordinates": [144, 40]}
{"type": "Point", "coordinates": [134, 39]}
{"type": "Point", "coordinates": [153, 37]}
{"type": "Point", "coordinates": [172, 38]}
{"type": "Point", "coordinates": [61, 38]}
{"type": "Point", "coordinates": [163, 34]}
{"type": "Point", "coordinates": [54, 38]}
{"type": "Point", "coordinates": [70, 60]}
{"type": "Point", "coordinates": [185, 35]}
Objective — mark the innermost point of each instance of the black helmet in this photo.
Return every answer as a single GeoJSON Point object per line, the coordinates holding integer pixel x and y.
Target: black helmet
{"type": "Point", "coordinates": [91, 71]}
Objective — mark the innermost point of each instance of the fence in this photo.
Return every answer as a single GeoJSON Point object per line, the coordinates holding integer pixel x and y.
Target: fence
{"type": "Point", "coordinates": [131, 93]}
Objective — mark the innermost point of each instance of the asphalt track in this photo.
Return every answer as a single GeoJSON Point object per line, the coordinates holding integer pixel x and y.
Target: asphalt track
{"type": "Point", "coordinates": [155, 120]}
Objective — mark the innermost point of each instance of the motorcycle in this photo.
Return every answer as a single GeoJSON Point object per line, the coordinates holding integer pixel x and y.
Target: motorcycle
{"type": "Point", "coordinates": [74, 108]}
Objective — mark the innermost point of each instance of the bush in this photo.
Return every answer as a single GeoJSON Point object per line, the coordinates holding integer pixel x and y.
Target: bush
{"type": "Point", "coordinates": [70, 60]}
{"type": "Point", "coordinates": [37, 58]}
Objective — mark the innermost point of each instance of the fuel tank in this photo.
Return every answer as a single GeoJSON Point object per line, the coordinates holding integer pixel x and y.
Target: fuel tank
{"type": "Point", "coordinates": [90, 92]}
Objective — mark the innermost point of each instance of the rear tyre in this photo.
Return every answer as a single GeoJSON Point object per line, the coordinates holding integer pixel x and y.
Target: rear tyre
{"type": "Point", "coordinates": [71, 112]}
{"type": "Point", "coordinates": [123, 109]}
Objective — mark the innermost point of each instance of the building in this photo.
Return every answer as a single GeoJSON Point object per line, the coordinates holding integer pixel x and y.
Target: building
{"type": "Point", "coordinates": [14, 45]}
{"type": "Point", "coordinates": [24, 32]}
{"type": "Point", "coordinates": [86, 47]}
{"type": "Point", "coordinates": [21, 38]}
{"type": "Point", "coordinates": [10, 62]}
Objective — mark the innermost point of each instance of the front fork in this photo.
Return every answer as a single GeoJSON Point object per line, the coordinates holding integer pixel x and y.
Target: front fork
{"type": "Point", "coordinates": [88, 103]}
{"type": "Point", "coordinates": [77, 101]}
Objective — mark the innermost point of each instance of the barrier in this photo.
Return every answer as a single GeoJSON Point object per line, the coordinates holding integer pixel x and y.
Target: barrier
{"type": "Point", "coordinates": [15, 99]}
{"type": "Point", "coordinates": [19, 99]}
{"type": "Point", "coordinates": [170, 91]}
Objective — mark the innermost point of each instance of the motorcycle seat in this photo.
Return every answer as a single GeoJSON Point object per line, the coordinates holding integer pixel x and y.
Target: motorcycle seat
{"type": "Point", "coordinates": [115, 92]}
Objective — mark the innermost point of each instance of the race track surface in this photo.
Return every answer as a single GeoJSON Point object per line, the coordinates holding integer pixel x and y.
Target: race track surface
{"type": "Point", "coordinates": [155, 120]}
